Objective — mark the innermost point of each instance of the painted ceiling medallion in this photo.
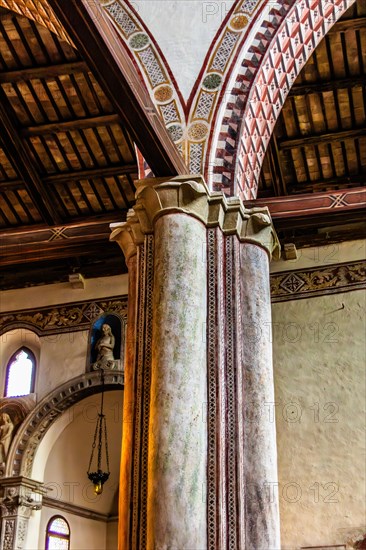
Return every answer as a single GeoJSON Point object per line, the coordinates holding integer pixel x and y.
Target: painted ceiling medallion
{"type": "Point", "coordinates": [238, 22]}
{"type": "Point", "coordinates": [163, 94]}
{"type": "Point", "coordinates": [212, 81]}
{"type": "Point", "coordinates": [198, 131]}
{"type": "Point", "coordinates": [176, 132]}
{"type": "Point", "coordinates": [139, 41]}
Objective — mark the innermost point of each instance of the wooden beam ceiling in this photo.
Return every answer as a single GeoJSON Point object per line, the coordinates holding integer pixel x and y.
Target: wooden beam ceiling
{"type": "Point", "coordinates": [98, 42]}
{"type": "Point", "coordinates": [24, 164]}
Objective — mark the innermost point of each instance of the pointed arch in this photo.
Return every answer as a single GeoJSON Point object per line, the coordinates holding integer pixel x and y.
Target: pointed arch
{"type": "Point", "coordinates": [258, 88]}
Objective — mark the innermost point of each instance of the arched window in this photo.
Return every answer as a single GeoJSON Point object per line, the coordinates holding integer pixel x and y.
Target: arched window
{"type": "Point", "coordinates": [58, 534]}
{"type": "Point", "coordinates": [20, 373]}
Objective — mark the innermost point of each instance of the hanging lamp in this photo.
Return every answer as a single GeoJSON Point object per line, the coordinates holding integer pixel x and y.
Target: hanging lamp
{"type": "Point", "coordinates": [99, 477]}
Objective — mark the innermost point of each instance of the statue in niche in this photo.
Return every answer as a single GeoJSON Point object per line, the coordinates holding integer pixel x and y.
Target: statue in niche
{"type": "Point", "coordinates": [105, 344]}
{"type": "Point", "coordinates": [6, 432]}
{"type": "Point", "coordinates": [104, 347]}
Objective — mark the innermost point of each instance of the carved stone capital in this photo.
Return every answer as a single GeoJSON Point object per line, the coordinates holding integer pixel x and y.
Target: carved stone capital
{"type": "Point", "coordinates": [156, 197]}
{"type": "Point", "coordinates": [19, 496]}
{"type": "Point", "coordinates": [127, 234]}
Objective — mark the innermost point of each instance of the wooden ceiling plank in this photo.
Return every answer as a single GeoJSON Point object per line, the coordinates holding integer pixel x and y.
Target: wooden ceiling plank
{"type": "Point", "coordinates": [329, 86]}
{"type": "Point", "coordinates": [98, 197]}
{"type": "Point", "coordinates": [23, 40]}
{"type": "Point", "coordinates": [74, 124]}
{"type": "Point", "coordinates": [110, 194]}
{"type": "Point", "coordinates": [43, 71]}
{"type": "Point", "coordinates": [10, 45]}
{"type": "Point", "coordinates": [49, 153]}
{"type": "Point", "coordinates": [23, 103]}
{"type": "Point", "coordinates": [51, 99]}
{"type": "Point", "coordinates": [84, 196]}
{"type": "Point", "coordinates": [40, 43]}
{"type": "Point", "coordinates": [97, 41]}
{"type": "Point", "coordinates": [18, 153]}
{"type": "Point", "coordinates": [329, 137]}
{"type": "Point", "coordinates": [24, 206]}
{"type": "Point", "coordinates": [115, 144]}
{"type": "Point", "coordinates": [121, 190]}
{"type": "Point", "coordinates": [11, 208]}
{"type": "Point", "coordinates": [101, 145]}
{"type": "Point", "coordinates": [93, 92]}
{"type": "Point", "coordinates": [65, 97]}
{"type": "Point", "coordinates": [80, 96]}
{"type": "Point", "coordinates": [344, 25]}
{"type": "Point", "coordinates": [88, 148]}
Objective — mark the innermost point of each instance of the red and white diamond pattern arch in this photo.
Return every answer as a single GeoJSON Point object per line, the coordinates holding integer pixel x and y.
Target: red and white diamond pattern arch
{"type": "Point", "coordinates": [224, 128]}
{"type": "Point", "coordinates": [262, 82]}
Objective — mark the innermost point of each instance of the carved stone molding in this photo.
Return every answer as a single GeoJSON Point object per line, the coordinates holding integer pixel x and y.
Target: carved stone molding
{"type": "Point", "coordinates": [31, 433]}
{"type": "Point", "coordinates": [190, 195]}
{"type": "Point", "coordinates": [62, 317]}
{"type": "Point", "coordinates": [18, 497]}
{"type": "Point", "coordinates": [316, 281]}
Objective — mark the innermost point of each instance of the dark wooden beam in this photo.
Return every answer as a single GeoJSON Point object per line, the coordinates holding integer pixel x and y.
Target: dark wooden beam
{"type": "Point", "coordinates": [338, 204]}
{"type": "Point", "coordinates": [338, 135]}
{"type": "Point", "coordinates": [76, 124]}
{"type": "Point", "coordinates": [90, 173]}
{"type": "Point", "coordinates": [328, 86]}
{"type": "Point", "coordinates": [77, 175]}
{"type": "Point", "coordinates": [97, 41]}
{"type": "Point", "coordinates": [47, 71]}
{"type": "Point", "coordinates": [343, 25]}
{"type": "Point", "coordinates": [22, 161]}
{"type": "Point", "coordinates": [332, 183]}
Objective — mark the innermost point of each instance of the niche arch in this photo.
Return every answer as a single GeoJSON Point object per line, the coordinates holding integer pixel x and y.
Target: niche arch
{"type": "Point", "coordinates": [118, 328]}
{"type": "Point", "coordinates": [31, 432]}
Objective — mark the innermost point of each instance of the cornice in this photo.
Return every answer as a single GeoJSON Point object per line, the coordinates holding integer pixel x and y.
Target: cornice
{"type": "Point", "coordinates": [318, 281]}
{"type": "Point", "coordinates": [59, 318]}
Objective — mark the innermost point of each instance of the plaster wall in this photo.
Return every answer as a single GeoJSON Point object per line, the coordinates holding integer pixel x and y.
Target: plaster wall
{"type": "Point", "coordinates": [65, 471]}
{"type": "Point", "coordinates": [319, 366]}
{"type": "Point", "coordinates": [184, 30]}
{"type": "Point", "coordinates": [86, 534]}
{"type": "Point", "coordinates": [54, 365]}
{"type": "Point", "coordinates": [62, 293]}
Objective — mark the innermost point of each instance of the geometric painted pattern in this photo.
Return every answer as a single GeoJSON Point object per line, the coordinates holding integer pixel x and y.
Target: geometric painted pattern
{"type": "Point", "coordinates": [264, 79]}
{"type": "Point", "coordinates": [316, 281]}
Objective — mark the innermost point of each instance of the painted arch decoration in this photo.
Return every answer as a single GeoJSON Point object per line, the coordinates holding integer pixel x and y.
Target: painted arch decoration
{"type": "Point", "coordinates": [223, 129]}
{"type": "Point", "coordinates": [263, 80]}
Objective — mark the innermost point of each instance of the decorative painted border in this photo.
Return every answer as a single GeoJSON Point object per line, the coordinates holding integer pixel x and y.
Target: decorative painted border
{"type": "Point", "coordinates": [189, 124]}
{"type": "Point", "coordinates": [151, 63]}
{"type": "Point", "coordinates": [265, 75]}
{"type": "Point", "coordinates": [317, 281]}
{"type": "Point", "coordinates": [60, 318]}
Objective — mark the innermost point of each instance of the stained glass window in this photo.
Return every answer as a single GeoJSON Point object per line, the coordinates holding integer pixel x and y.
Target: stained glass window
{"type": "Point", "coordinates": [20, 373]}
{"type": "Point", "coordinates": [58, 534]}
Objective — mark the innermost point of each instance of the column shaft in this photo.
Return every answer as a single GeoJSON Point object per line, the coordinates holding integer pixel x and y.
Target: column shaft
{"type": "Point", "coordinates": [128, 409]}
{"type": "Point", "coordinates": [178, 430]}
{"type": "Point", "coordinates": [260, 452]}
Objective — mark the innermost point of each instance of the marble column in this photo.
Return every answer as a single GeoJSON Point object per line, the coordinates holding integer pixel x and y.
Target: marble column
{"type": "Point", "coordinates": [201, 458]}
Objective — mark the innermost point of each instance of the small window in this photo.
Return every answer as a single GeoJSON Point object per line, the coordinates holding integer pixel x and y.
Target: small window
{"type": "Point", "coordinates": [20, 373]}
{"type": "Point", "coordinates": [58, 534]}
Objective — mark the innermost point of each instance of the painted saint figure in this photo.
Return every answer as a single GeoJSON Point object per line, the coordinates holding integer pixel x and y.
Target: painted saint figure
{"type": "Point", "coordinates": [6, 430]}
{"type": "Point", "coordinates": [105, 345]}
